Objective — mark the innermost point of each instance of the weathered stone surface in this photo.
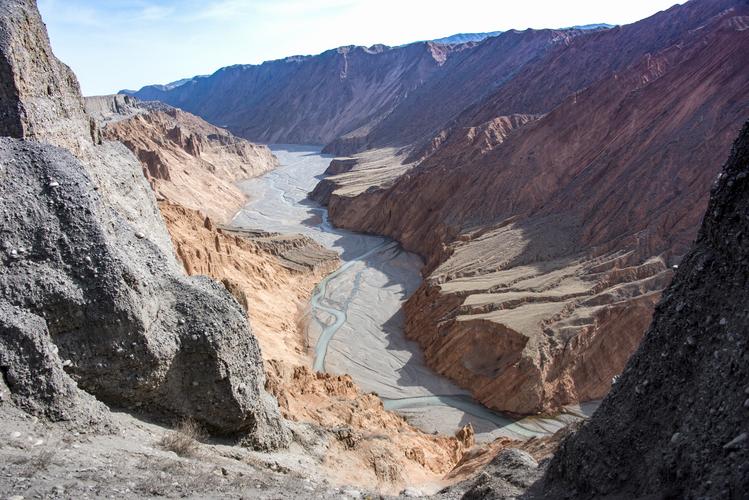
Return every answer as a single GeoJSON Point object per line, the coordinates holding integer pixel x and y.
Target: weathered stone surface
{"type": "Point", "coordinates": [89, 275]}
{"type": "Point", "coordinates": [672, 424]}
{"type": "Point", "coordinates": [507, 475]}
{"type": "Point", "coordinates": [185, 159]}
{"type": "Point", "coordinates": [33, 371]}
{"type": "Point", "coordinates": [137, 333]}
{"type": "Point", "coordinates": [40, 98]}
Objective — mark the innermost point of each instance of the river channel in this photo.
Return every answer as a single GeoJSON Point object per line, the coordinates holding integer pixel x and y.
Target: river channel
{"type": "Point", "coordinates": [357, 319]}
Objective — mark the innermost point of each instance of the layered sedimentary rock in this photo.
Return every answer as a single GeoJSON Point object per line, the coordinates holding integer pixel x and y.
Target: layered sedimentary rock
{"type": "Point", "coordinates": [185, 159]}
{"type": "Point", "coordinates": [112, 108]}
{"type": "Point", "coordinates": [272, 276]}
{"type": "Point", "coordinates": [94, 294]}
{"type": "Point", "coordinates": [675, 423]}
{"type": "Point", "coordinates": [548, 238]}
{"type": "Point", "coordinates": [308, 99]}
{"type": "Point", "coordinates": [269, 274]}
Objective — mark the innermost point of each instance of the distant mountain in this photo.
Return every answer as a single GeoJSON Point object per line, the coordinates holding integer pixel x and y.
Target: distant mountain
{"type": "Point", "coordinates": [178, 83]}
{"type": "Point", "coordinates": [479, 37]}
{"type": "Point", "coordinates": [345, 93]}
{"type": "Point", "coordinates": [309, 99]}
{"type": "Point", "coordinates": [466, 37]}
{"type": "Point", "coordinates": [600, 26]}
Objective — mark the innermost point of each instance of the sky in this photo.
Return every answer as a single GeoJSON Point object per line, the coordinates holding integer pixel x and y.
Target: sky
{"type": "Point", "coordinates": [126, 44]}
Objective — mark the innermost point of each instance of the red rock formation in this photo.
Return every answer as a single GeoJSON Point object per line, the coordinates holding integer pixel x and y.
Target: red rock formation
{"type": "Point", "coordinates": [548, 244]}
{"type": "Point", "coordinates": [308, 99]}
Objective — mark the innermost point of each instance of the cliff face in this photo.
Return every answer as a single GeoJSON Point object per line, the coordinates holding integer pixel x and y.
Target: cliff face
{"type": "Point", "coordinates": [39, 95]}
{"type": "Point", "coordinates": [91, 293]}
{"type": "Point", "coordinates": [549, 238]}
{"type": "Point", "coordinates": [311, 99]}
{"type": "Point", "coordinates": [185, 159]}
{"type": "Point", "coordinates": [272, 276]}
{"type": "Point", "coordinates": [466, 77]}
{"type": "Point", "coordinates": [675, 423]}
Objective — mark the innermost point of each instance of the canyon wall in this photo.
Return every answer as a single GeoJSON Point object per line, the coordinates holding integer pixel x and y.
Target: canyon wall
{"type": "Point", "coordinates": [185, 159]}
{"type": "Point", "coordinates": [466, 78]}
{"type": "Point", "coordinates": [355, 98]}
{"type": "Point", "coordinates": [272, 276]}
{"type": "Point", "coordinates": [91, 293]}
{"type": "Point", "coordinates": [675, 422]}
{"type": "Point", "coordinates": [308, 99]}
{"type": "Point", "coordinates": [549, 237]}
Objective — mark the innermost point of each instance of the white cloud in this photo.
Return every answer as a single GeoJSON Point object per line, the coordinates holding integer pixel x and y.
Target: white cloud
{"type": "Point", "coordinates": [154, 13]}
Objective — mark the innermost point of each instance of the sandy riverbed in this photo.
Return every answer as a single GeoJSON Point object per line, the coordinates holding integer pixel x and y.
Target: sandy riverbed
{"type": "Point", "coordinates": [358, 312]}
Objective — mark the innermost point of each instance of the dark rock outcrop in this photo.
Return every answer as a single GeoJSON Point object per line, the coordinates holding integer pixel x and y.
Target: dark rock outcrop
{"type": "Point", "coordinates": [508, 475]}
{"type": "Point", "coordinates": [676, 423]}
{"type": "Point", "coordinates": [90, 291]}
{"type": "Point", "coordinates": [33, 371]}
{"type": "Point", "coordinates": [39, 96]}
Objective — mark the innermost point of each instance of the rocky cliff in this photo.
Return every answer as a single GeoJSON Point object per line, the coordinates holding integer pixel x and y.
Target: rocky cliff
{"type": "Point", "coordinates": [90, 290]}
{"type": "Point", "coordinates": [308, 99]}
{"type": "Point", "coordinates": [548, 238]}
{"type": "Point", "coordinates": [466, 77]}
{"type": "Point", "coordinates": [675, 423]}
{"type": "Point", "coordinates": [185, 159]}
{"type": "Point", "coordinates": [272, 276]}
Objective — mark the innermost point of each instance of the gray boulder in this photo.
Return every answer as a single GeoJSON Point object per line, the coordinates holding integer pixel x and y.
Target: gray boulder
{"type": "Point", "coordinates": [92, 297]}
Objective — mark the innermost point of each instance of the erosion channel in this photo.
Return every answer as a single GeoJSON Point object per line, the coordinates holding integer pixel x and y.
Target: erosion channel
{"type": "Point", "coordinates": [356, 323]}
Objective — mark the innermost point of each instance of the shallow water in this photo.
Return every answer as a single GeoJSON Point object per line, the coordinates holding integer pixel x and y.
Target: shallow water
{"type": "Point", "coordinates": [358, 320]}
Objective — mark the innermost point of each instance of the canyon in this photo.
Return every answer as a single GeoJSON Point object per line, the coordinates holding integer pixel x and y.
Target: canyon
{"type": "Point", "coordinates": [532, 298]}
{"type": "Point", "coordinates": [491, 236]}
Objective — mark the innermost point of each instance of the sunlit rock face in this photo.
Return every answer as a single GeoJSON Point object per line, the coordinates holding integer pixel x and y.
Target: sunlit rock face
{"type": "Point", "coordinates": [550, 222]}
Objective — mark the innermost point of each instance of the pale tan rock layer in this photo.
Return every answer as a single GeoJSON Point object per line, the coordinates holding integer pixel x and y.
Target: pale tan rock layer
{"type": "Point", "coordinates": [189, 161]}
{"type": "Point", "coordinates": [273, 276]}
{"type": "Point", "coordinates": [261, 270]}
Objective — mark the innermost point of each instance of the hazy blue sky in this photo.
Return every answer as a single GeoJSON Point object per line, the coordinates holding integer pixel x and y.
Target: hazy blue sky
{"type": "Point", "coordinates": [115, 44]}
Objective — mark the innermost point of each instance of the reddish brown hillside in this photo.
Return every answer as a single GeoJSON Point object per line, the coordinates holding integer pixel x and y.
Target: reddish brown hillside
{"type": "Point", "coordinates": [549, 240]}
{"type": "Point", "coordinates": [308, 99]}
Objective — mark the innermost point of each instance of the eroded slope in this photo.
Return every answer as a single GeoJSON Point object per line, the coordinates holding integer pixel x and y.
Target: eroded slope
{"type": "Point", "coordinates": [675, 424]}
{"type": "Point", "coordinates": [548, 239]}
{"type": "Point", "coordinates": [185, 159]}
